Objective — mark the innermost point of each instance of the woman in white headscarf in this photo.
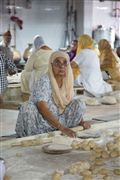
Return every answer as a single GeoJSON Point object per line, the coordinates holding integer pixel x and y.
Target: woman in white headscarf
{"type": "Point", "coordinates": [36, 66]}
{"type": "Point", "coordinates": [38, 42]}
{"type": "Point", "coordinates": [51, 105]}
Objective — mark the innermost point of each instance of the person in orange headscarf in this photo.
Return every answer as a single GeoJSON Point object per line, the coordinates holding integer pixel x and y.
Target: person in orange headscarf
{"type": "Point", "coordinates": [108, 60]}
{"type": "Point", "coordinates": [51, 105]}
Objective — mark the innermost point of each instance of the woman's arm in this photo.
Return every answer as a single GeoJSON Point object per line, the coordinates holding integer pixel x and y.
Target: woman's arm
{"type": "Point", "coordinates": [49, 116]}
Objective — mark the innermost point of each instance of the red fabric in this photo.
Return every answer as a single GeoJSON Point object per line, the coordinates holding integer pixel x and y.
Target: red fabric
{"type": "Point", "coordinates": [18, 21]}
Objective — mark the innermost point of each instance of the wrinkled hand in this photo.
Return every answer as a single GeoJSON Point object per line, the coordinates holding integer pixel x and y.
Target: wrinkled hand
{"type": "Point", "coordinates": [85, 125]}
{"type": "Point", "coordinates": [69, 132]}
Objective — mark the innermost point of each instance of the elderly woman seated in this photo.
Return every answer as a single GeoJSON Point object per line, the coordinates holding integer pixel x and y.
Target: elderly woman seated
{"type": "Point", "coordinates": [51, 105]}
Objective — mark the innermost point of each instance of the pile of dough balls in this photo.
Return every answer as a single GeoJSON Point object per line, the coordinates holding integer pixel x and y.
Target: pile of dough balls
{"type": "Point", "coordinates": [81, 168]}
{"type": "Point", "coordinates": [102, 153]}
{"type": "Point", "coordinates": [57, 175]}
{"type": "Point", "coordinates": [94, 167]}
{"type": "Point", "coordinates": [86, 145]}
{"type": "Point", "coordinates": [110, 150]}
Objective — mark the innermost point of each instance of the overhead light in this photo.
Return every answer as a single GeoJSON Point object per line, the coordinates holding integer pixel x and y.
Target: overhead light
{"type": "Point", "coordinates": [51, 8]}
{"type": "Point", "coordinates": [102, 8]}
{"type": "Point", "coordinates": [12, 7]}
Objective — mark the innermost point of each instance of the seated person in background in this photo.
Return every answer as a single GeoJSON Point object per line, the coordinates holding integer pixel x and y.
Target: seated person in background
{"type": "Point", "coordinates": [5, 45]}
{"type": "Point", "coordinates": [51, 105]}
{"type": "Point", "coordinates": [109, 60]}
{"type": "Point", "coordinates": [73, 49]}
{"type": "Point", "coordinates": [6, 67]}
{"type": "Point", "coordinates": [89, 64]}
{"type": "Point", "coordinates": [36, 66]}
{"type": "Point", "coordinates": [72, 53]}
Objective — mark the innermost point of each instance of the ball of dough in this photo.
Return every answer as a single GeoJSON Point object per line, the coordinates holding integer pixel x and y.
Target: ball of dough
{"type": "Point", "coordinates": [99, 149]}
{"type": "Point", "coordinates": [99, 161]}
{"type": "Point", "coordinates": [91, 144]}
{"type": "Point", "coordinates": [105, 155]}
{"type": "Point", "coordinates": [103, 171]}
{"type": "Point", "coordinates": [116, 171]}
{"type": "Point", "coordinates": [110, 146]}
{"type": "Point", "coordinates": [108, 178]}
{"type": "Point", "coordinates": [114, 153]}
{"type": "Point", "coordinates": [86, 173]}
{"type": "Point", "coordinates": [87, 178]}
{"type": "Point", "coordinates": [57, 175]}
{"type": "Point", "coordinates": [75, 144]}
{"type": "Point", "coordinates": [116, 134]}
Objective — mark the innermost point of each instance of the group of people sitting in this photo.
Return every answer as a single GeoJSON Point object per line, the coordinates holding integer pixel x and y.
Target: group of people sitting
{"type": "Point", "coordinates": [102, 60]}
{"type": "Point", "coordinates": [52, 105]}
{"type": "Point", "coordinates": [49, 78]}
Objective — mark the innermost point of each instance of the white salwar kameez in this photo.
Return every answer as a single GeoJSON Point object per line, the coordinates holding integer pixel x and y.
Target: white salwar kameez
{"type": "Point", "coordinates": [90, 74]}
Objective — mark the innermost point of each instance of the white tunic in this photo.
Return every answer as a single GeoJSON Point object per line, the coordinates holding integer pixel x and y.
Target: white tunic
{"type": "Point", "coordinates": [36, 66]}
{"type": "Point", "coordinates": [90, 73]}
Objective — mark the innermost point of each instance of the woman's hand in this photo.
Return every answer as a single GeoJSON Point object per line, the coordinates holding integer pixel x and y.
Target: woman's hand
{"type": "Point", "coordinates": [68, 132]}
{"type": "Point", "coordinates": [49, 116]}
{"type": "Point", "coordinates": [85, 125]}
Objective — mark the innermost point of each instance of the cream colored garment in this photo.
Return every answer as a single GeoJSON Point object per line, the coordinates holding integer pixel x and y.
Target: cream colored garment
{"type": "Point", "coordinates": [36, 66]}
{"type": "Point", "coordinates": [109, 60]}
{"type": "Point", "coordinates": [62, 96]}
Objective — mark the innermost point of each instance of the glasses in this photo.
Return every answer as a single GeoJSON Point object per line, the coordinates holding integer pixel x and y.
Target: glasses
{"type": "Point", "coordinates": [59, 64]}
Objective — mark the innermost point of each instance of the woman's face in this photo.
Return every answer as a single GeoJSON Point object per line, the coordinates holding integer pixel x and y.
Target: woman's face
{"type": "Point", "coordinates": [74, 45]}
{"type": "Point", "coordinates": [59, 67]}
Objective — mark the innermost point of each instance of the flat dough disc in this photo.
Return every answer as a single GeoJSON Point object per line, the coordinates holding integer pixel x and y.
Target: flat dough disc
{"type": "Point", "coordinates": [56, 148]}
{"type": "Point", "coordinates": [88, 135]}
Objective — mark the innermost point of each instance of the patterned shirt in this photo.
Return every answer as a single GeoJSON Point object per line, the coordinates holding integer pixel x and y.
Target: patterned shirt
{"type": "Point", "coordinates": [5, 65]}
{"type": "Point", "coordinates": [6, 50]}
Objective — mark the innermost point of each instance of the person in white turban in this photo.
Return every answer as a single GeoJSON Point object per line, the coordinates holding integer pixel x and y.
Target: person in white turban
{"type": "Point", "coordinates": [36, 66]}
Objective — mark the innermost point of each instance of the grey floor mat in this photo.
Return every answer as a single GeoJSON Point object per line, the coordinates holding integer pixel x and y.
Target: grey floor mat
{"type": "Point", "coordinates": [107, 118]}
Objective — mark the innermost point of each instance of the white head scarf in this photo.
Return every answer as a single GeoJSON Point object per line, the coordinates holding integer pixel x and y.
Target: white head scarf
{"type": "Point", "coordinates": [62, 96]}
{"type": "Point", "coordinates": [38, 42]}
